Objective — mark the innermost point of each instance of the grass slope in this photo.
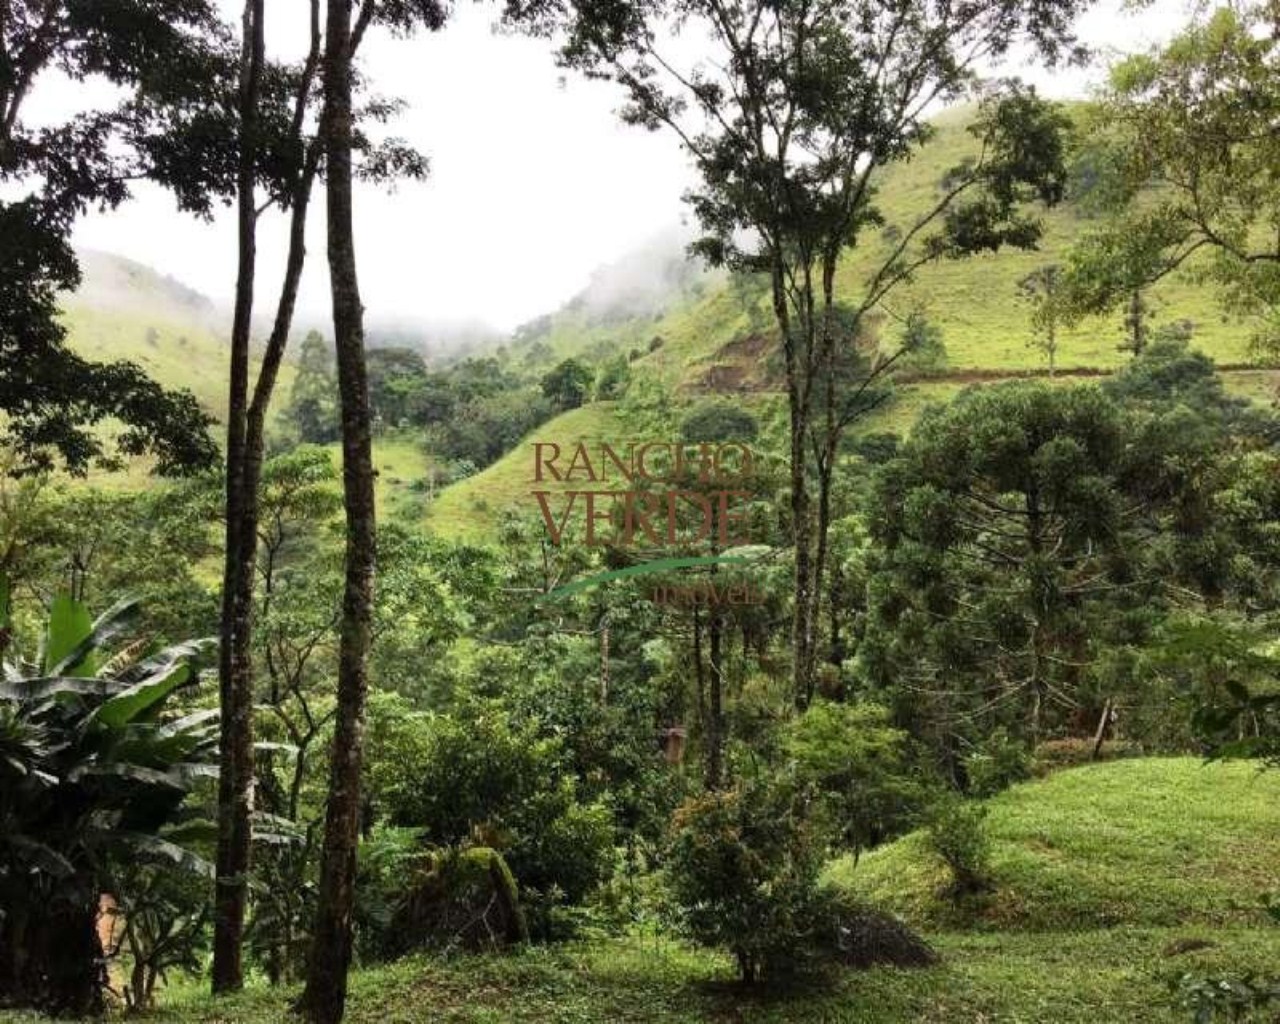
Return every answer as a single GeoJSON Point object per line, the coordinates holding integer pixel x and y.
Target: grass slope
{"type": "Point", "coordinates": [1157, 842]}
{"type": "Point", "coordinates": [975, 301]}
{"type": "Point", "coordinates": [1111, 976]}
{"type": "Point", "coordinates": [125, 310]}
{"type": "Point", "coordinates": [1106, 871]}
{"type": "Point", "coordinates": [469, 510]}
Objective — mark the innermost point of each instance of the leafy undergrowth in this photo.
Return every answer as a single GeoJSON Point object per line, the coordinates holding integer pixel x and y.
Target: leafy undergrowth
{"type": "Point", "coordinates": [1148, 842]}
{"type": "Point", "coordinates": [1113, 880]}
{"type": "Point", "coordinates": [1116, 975]}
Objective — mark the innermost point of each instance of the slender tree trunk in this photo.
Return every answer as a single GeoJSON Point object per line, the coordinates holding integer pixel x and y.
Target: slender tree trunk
{"type": "Point", "coordinates": [715, 709]}
{"type": "Point", "coordinates": [323, 1001]}
{"type": "Point", "coordinates": [235, 669]}
{"type": "Point", "coordinates": [802, 626]}
{"type": "Point", "coordinates": [698, 670]}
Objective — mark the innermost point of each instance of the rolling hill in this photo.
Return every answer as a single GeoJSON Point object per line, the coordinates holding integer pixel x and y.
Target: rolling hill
{"type": "Point", "coordinates": [125, 310]}
{"type": "Point", "coordinates": [1065, 848]}
{"type": "Point", "coordinates": [706, 335]}
{"type": "Point", "coordinates": [709, 327]}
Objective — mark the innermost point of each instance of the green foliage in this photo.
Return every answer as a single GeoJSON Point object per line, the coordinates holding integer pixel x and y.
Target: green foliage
{"type": "Point", "coordinates": [921, 344]}
{"type": "Point", "coordinates": [1194, 192]}
{"type": "Point", "coordinates": [568, 384]}
{"type": "Point", "coordinates": [161, 917]}
{"type": "Point", "coordinates": [53, 400]}
{"type": "Point", "coordinates": [743, 870]}
{"type": "Point", "coordinates": [313, 403]}
{"type": "Point", "coordinates": [613, 379]}
{"type": "Point", "coordinates": [1248, 997]}
{"type": "Point", "coordinates": [460, 898]}
{"type": "Point", "coordinates": [719, 420]}
{"type": "Point", "coordinates": [485, 779]}
{"type": "Point", "coordinates": [858, 766]}
{"type": "Point", "coordinates": [956, 834]}
{"type": "Point", "coordinates": [997, 763]}
{"type": "Point", "coordinates": [93, 776]}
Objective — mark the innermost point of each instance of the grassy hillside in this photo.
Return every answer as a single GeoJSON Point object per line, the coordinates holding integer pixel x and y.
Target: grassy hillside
{"type": "Point", "coordinates": [124, 310]}
{"type": "Point", "coordinates": [713, 337]}
{"type": "Point", "coordinates": [1159, 842]}
{"type": "Point", "coordinates": [985, 326]}
{"type": "Point", "coordinates": [470, 509]}
{"type": "Point", "coordinates": [1121, 864]}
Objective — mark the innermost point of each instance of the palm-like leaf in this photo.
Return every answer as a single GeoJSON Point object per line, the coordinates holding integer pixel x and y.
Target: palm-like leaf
{"type": "Point", "coordinates": [90, 771]}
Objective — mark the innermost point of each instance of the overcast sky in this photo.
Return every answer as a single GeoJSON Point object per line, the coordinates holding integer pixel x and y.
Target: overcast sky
{"type": "Point", "coordinates": [534, 181]}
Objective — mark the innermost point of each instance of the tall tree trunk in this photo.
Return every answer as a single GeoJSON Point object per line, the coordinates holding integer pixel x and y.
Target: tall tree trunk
{"type": "Point", "coordinates": [323, 1001]}
{"type": "Point", "coordinates": [715, 709]}
{"type": "Point", "coordinates": [796, 363]}
{"type": "Point", "coordinates": [245, 452]}
{"type": "Point", "coordinates": [235, 669]}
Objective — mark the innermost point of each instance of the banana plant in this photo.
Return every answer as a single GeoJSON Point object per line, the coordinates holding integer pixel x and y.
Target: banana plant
{"type": "Point", "coordinates": [95, 770]}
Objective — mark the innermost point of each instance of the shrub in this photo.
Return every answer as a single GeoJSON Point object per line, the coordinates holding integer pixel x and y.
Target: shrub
{"type": "Point", "coordinates": [488, 782]}
{"type": "Point", "coordinates": [718, 420]}
{"type": "Point", "coordinates": [613, 379]}
{"type": "Point", "coordinates": [955, 833]}
{"type": "Point", "coordinates": [997, 763]}
{"type": "Point", "coordinates": [923, 349]}
{"type": "Point", "coordinates": [743, 871]}
{"type": "Point", "coordinates": [409, 897]}
{"type": "Point", "coordinates": [857, 764]}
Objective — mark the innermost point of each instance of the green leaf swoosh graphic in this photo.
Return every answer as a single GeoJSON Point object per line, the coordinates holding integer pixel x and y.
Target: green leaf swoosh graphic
{"type": "Point", "coordinates": [645, 568]}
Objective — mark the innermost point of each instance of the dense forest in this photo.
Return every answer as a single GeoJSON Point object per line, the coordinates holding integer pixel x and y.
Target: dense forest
{"type": "Point", "coordinates": [862, 609]}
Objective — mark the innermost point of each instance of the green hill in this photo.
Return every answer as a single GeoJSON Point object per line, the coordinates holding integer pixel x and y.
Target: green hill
{"type": "Point", "coordinates": [125, 310]}
{"type": "Point", "coordinates": [469, 509]}
{"type": "Point", "coordinates": [709, 336]}
{"type": "Point", "coordinates": [1155, 842]}
{"type": "Point", "coordinates": [709, 331]}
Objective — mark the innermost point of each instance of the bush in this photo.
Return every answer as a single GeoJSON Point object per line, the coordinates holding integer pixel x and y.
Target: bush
{"type": "Point", "coordinates": [614, 379]}
{"type": "Point", "coordinates": [487, 782]}
{"type": "Point", "coordinates": [997, 763]}
{"type": "Point", "coordinates": [410, 898]}
{"type": "Point", "coordinates": [955, 833]}
{"type": "Point", "coordinates": [923, 349]}
{"type": "Point", "coordinates": [858, 766]}
{"type": "Point", "coordinates": [743, 871]}
{"type": "Point", "coordinates": [718, 420]}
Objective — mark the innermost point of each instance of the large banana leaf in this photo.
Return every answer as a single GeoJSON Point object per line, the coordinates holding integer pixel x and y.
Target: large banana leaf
{"type": "Point", "coordinates": [25, 690]}
{"type": "Point", "coordinates": [152, 847]}
{"type": "Point", "coordinates": [68, 627]}
{"type": "Point", "coordinates": [74, 643]}
{"type": "Point", "coordinates": [142, 696]}
{"type": "Point", "coordinates": [40, 856]}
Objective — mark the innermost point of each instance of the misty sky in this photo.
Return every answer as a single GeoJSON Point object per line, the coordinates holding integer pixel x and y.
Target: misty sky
{"type": "Point", "coordinates": [534, 181]}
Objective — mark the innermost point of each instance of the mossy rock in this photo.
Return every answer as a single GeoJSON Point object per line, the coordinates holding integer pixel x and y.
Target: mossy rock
{"type": "Point", "coordinates": [460, 899]}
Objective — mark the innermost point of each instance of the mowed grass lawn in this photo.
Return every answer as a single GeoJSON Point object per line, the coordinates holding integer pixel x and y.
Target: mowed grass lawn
{"type": "Point", "coordinates": [1111, 976]}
